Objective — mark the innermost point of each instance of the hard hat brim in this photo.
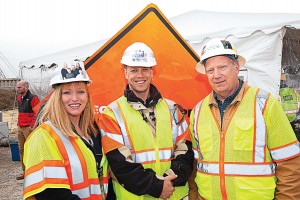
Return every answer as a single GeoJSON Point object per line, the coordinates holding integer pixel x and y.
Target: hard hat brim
{"type": "Point", "coordinates": [71, 80]}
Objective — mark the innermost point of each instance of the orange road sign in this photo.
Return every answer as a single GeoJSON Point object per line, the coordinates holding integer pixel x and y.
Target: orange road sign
{"type": "Point", "coordinates": [175, 75]}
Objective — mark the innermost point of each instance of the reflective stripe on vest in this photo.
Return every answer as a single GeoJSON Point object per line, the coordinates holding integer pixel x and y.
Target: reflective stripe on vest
{"type": "Point", "coordinates": [92, 189]}
{"type": "Point", "coordinates": [260, 136]}
{"type": "Point", "coordinates": [77, 173]}
{"type": "Point", "coordinates": [238, 169]}
{"type": "Point", "coordinates": [123, 139]}
{"type": "Point", "coordinates": [260, 142]}
{"type": "Point", "coordinates": [148, 156]}
{"type": "Point", "coordinates": [79, 186]}
{"type": "Point", "coordinates": [197, 152]}
{"type": "Point", "coordinates": [177, 131]}
{"type": "Point", "coordinates": [290, 111]}
{"type": "Point", "coordinates": [285, 152]}
{"type": "Point", "coordinates": [45, 172]}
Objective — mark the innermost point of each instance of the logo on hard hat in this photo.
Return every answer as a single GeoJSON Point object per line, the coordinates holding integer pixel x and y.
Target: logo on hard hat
{"type": "Point", "coordinates": [72, 71]}
{"type": "Point", "coordinates": [139, 56]}
{"type": "Point", "coordinates": [69, 72]}
{"type": "Point", "coordinates": [206, 49]}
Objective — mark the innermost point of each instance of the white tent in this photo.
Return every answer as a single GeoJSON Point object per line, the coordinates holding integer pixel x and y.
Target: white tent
{"type": "Point", "coordinates": [38, 71]}
{"type": "Point", "coordinates": [269, 42]}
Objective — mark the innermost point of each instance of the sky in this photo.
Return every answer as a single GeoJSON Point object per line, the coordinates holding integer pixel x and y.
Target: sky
{"type": "Point", "coordinates": [34, 28]}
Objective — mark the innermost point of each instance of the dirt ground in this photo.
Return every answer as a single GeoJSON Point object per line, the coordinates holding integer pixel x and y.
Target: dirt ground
{"type": "Point", "coordinates": [10, 188]}
{"type": "Point", "coordinates": [7, 99]}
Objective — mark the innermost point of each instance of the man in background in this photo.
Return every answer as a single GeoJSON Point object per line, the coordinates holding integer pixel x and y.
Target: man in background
{"type": "Point", "coordinates": [290, 101]}
{"type": "Point", "coordinates": [26, 118]}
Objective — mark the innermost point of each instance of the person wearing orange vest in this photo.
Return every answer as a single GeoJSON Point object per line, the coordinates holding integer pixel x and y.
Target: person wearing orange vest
{"type": "Point", "coordinates": [59, 154]}
{"type": "Point", "coordinates": [26, 117]}
{"type": "Point", "coordinates": [243, 142]}
{"type": "Point", "coordinates": [145, 137]}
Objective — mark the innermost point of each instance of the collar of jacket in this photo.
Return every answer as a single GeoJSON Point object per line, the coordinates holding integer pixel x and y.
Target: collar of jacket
{"type": "Point", "coordinates": [154, 96]}
{"type": "Point", "coordinates": [26, 95]}
{"type": "Point", "coordinates": [238, 98]}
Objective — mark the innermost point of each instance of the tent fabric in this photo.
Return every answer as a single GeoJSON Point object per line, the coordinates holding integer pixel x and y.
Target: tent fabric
{"type": "Point", "coordinates": [38, 71]}
{"type": "Point", "coordinates": [80, 53]}
{"type": "Point", "coordinates": [197, 25]}
{"type": "Point", "coordinates": [257, 36]}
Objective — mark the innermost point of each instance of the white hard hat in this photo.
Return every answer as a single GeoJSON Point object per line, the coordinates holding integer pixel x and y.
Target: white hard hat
{"type": "Point", "coordinates": [138, 55]}
{"type": "Point", "coordinates": [218, 47]}
{"type": "Point", "coordinates": [66, 73]}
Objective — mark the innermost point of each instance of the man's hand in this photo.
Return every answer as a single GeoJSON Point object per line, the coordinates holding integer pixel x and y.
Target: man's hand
{"type": "Point", "coordinates": [168, 188]}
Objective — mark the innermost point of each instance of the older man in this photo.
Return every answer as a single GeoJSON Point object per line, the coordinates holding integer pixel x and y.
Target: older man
{"type": "Point", "coordinates": [244, 144]}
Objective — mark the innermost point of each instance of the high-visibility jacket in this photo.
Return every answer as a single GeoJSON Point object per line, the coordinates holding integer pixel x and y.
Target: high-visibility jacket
{"type": "Point", "coordinates": [239, 163]}
{"type": "Point", "coordinates": [290, 101]}
{"type": "Point", "coordinates": [54, 161]}
{"type": "Point", "coordinates": [154, 153]}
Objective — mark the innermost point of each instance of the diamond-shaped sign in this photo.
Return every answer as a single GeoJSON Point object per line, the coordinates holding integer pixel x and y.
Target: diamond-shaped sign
{"type": "Point", "coordinates": [175, 75]}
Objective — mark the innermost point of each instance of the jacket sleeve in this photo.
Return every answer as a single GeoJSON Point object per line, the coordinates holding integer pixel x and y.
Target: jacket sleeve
{"type": "Point", "coordinates": [182, 164]}
{"type": "Point", "coordinates": [288, 176]}
{"type": "Point", "coordinates": [35, 101]}
{"type": "Point", "coordinates": [133, 176]}
{"type": "Point", "coordinates": [284, 149]}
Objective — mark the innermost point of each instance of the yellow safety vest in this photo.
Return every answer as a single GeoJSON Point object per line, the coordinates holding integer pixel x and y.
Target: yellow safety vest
{"type": "Point", "coordinates": [154, 153]}
{"type": "Point", "coordinates": [236, 163]}
{"type": "Point", "coordinates": [290, 102]}
{"type": "Point", "coordinates": [54, 161]}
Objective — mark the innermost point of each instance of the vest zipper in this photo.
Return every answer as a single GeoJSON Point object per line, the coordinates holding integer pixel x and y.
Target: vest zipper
{"type": "Point", "coordinates": [221, 163]}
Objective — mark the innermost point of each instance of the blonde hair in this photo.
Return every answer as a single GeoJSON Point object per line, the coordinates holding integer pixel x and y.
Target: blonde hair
{"type": "Point", "coordinates": [55, 112]}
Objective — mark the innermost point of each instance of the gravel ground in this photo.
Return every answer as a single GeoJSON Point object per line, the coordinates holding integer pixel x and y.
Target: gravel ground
{"type": "Point", "coordinates": [10, 188]}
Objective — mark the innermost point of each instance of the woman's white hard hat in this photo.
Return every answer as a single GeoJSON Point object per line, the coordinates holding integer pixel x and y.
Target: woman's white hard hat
{"type": "Point", "coordinates": [67, 73]}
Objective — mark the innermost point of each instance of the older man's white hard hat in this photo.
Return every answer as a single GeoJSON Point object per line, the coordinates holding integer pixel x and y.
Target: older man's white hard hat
{"type": "Point", "coordinates": [218, 47]}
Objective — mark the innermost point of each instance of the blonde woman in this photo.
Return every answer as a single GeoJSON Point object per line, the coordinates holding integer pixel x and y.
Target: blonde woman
{"type": "Point", "coordinates": [59, 154]}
